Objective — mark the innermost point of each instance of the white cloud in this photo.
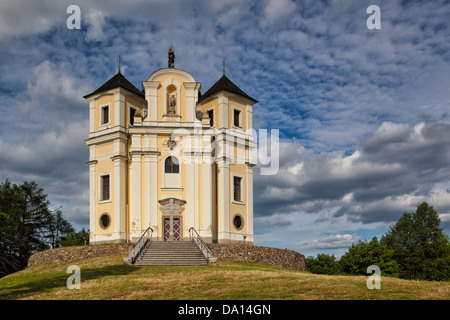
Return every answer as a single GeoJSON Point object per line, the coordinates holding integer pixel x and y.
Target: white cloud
{"type": "Point", "coordinates": [95, 19]}
{"type": "Point", "coordinates": [397, 167]}
{"type": "Point", "coordinates": [22, 17]}
{"type": "Point", "coordinates": [333, 241]}
{"type": "Point", "coordinates": [56, 84]}
{"type": "Point", "coordinates": [276, 9]}
{"type": "Point", "coordinates": [273, 221]}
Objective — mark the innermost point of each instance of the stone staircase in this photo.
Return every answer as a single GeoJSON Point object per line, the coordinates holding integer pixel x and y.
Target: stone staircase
{"type": "Point", "coordinates": [171, 253]}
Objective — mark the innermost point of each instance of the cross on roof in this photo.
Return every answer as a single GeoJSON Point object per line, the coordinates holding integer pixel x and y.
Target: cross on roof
{"type": "Point", "coordinates": [223, 65]}
{"type": "Point", "coordinates": [119, 60]}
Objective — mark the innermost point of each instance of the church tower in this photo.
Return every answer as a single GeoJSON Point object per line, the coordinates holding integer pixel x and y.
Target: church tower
{"type": "Point", "coordinates": [170, 159]}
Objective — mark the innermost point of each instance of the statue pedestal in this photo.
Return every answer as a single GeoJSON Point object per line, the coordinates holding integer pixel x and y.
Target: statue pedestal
{"type": "Point", "coordinates": [172, 117]}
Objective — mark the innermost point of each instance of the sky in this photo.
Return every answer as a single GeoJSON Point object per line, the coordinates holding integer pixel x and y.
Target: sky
{"type": "Point", "coordinates": [363, 114]}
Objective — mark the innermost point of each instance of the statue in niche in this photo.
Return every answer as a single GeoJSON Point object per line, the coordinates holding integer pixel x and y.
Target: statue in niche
{"type": "Point", "coordinates": [172, 103]}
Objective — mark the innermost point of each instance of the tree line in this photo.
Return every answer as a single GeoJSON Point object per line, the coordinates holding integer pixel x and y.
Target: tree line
{"type": "Point", "coordinates": [414, 248]}
{"type": "Point", "coordinates": [28, 224]}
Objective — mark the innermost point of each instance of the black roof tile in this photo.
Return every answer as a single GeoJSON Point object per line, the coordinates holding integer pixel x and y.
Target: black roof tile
{"type": "Point", "coordinates": [224, 84]}
{"type": "Point", "coordinates": [117, 81]}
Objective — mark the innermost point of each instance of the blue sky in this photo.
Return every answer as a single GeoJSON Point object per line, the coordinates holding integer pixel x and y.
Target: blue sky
{"type": "Point", "coordinates": [363, 114]}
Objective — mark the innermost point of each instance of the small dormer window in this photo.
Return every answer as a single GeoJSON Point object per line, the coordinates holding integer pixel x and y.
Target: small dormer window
{"type": "Point", "coordinates": [105, 115]}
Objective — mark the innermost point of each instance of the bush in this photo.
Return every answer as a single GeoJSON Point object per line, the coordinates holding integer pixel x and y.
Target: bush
{"type": "Point", "coordinates": [323, 264]}
{"type": "Point", "coordinates": [364, 254]}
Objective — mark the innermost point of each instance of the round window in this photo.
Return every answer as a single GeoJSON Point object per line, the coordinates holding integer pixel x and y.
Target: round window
{"type": "Point", "coordinates": [105, 221]}
{"type": "Point", "coordinates": [238, 222]}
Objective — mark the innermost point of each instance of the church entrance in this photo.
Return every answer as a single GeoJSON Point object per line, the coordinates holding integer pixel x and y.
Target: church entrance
{"type": "Point", "coordinates": [171, 209]}
{"type": "Point", "coordinates": [176, 229]}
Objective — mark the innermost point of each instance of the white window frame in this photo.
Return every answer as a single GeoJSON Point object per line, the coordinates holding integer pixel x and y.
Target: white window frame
{"type": "Point", "coordinates": [106, 124]}
{"type": "Point", "coordinates": [172, 181]}
{"type": "Point", "coordinates": [241, 118]}
{"type": "Point", "coordinates": [100, 187]}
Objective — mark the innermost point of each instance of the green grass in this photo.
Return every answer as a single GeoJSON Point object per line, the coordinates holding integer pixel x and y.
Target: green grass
{"type": "Point", "coordinates": [107, 278]}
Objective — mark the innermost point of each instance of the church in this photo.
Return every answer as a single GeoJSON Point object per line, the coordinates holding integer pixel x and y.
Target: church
{"type": "Point", "coordinates": [170, 158]}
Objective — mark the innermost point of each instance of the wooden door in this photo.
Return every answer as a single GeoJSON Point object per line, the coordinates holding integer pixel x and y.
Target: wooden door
{"type": "Point", "coordinates": [176, 229]}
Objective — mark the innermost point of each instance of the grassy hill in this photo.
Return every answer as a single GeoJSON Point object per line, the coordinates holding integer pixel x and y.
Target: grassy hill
{"type": "Point", "coordinates": [105, 277]}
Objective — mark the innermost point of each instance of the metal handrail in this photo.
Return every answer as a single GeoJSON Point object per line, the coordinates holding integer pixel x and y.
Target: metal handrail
{"type": "Point", "coordinates": [201, 245]}
{"type": "Point", "coordinates": [141, 244]}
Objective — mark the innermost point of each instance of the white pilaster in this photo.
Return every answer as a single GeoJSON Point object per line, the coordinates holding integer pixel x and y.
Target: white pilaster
{"type": "Point", "coordinates": [91, 116]}
{"type": "Point", "coordinates": [249, 124]}
{"type": "Point", "coordinates": [207, 189]}
{"type": "Point", "coordinates": [207, 200]}
{"type": "Point", "coordinates": [119, 197]}
{"type": "Point", "coordinates": [191, 99]}
{"type": "Point", "coordinates": [152, 176]}
{"type": "Point", "coordinates": [146, 178]}
{"type": "Point", "coordinates": [190, 194]}
{"type": "Point", "coordinates": [223, 201]}
{"type": "Point", "coordinates": [151, 95]}
{"type": "Point", "coordinates": [92, 200]}
{"type": "Point", "coordinates": [119, 109]}
{"type": "Point", "coordinates": [223, 112]}
{"type": "Point", "coordinates": [135, 195]}
{"type": "Point", "coordinates": [250, 201]}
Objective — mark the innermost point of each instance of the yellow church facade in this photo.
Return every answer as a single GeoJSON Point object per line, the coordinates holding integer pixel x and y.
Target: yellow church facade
{"type": "Point", "coordinates": [170, 158]}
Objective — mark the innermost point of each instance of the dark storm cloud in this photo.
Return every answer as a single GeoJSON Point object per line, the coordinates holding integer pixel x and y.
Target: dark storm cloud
{"type": "Point", "coordinates": [398, 160]}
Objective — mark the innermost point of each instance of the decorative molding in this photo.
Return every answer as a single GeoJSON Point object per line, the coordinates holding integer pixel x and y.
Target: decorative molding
{"type": "Point", "coordinates": [106, 137]}
{"type": "Point", "coordinates": [171, 71]}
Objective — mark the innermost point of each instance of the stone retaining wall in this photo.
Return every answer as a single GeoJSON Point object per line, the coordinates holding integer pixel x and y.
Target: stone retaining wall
{"type": "Point", "coordinates": [77, 253]}
{"type": "Point", "coordinates": [283, 258]}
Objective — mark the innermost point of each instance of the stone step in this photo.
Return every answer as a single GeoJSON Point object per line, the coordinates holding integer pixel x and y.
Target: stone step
{"type": "Point", "coordinates": [172, 258]}
{"type": "Point", "coordinates": [150, 250]}
{"type": "Point", "coordinates": [151, 257]}
{"type": "Point", "coordinates": [170, 248]}
{"type": "Point", "coordinates": [150, 253]}
{"type": "Point", "coordinates": [171, 253]}
{"type": "Point", "coordinates": [170, 262]}
{"type": "Point", "coordinates": [187, 245]}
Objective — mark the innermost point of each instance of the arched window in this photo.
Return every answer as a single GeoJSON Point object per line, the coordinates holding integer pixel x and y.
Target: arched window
{"type": "Point", "coordinates": [171, 165]}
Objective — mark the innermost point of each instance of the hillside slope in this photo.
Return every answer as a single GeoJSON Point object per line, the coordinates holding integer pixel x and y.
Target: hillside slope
{"type": "Point", "coordinates": [106, 277]}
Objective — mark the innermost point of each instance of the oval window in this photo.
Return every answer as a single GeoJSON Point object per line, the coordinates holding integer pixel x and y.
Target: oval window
{"type": "Point", "coordinates": [238, 222]}
{"type": "Point", "coordinates": [105, 221]}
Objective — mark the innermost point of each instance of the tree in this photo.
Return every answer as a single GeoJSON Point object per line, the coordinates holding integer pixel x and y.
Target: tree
{"type": "Point", "coordinates": [27, 224]}
{"type": "Point", "coordinates": [9, 261]}
{"type": "Point", "coordinates": [59, 228]}
{"type": "Point", "coordinates": [76, 239]}
{"type": "Point", "coordinates": [364, 254]}
{"type": "Point", "coordinates": [420, 246]}
{"type": "Point", "coordinates": [323, 264]}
